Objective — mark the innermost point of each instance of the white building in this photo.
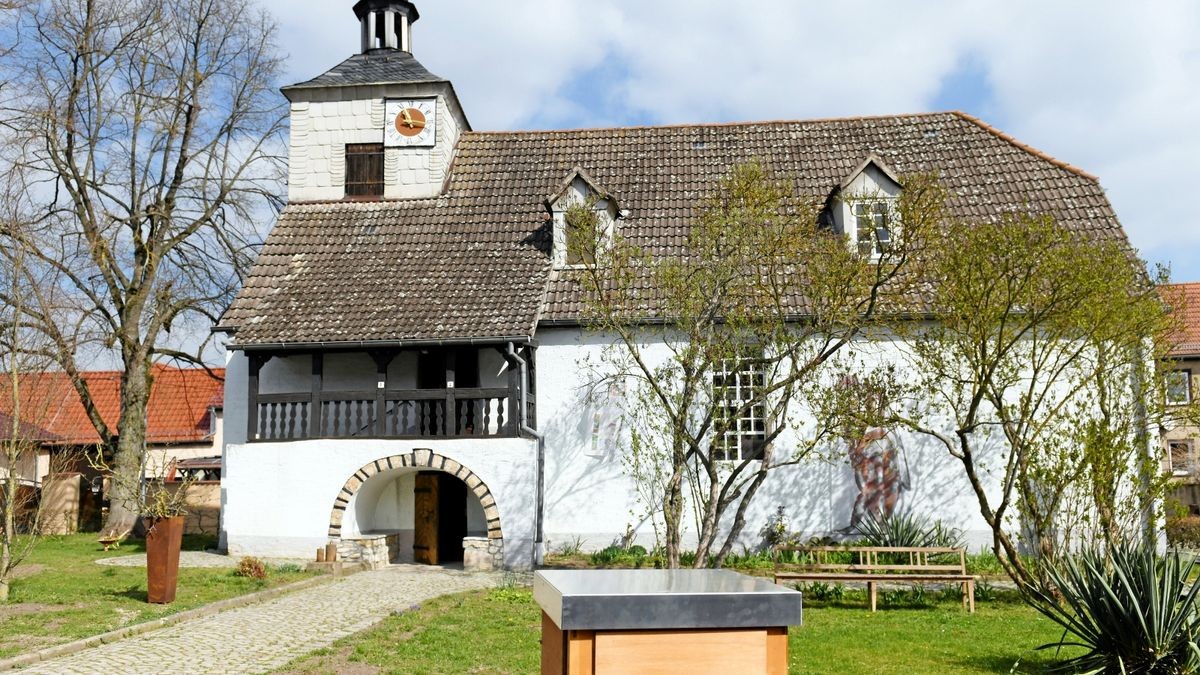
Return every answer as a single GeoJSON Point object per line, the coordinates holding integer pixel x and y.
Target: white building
{"type": "Point", "coordinates": [411, 327]}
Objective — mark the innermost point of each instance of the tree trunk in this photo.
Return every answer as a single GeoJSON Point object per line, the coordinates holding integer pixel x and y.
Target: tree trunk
{"type": "Point", "coordinates": [130, 460]}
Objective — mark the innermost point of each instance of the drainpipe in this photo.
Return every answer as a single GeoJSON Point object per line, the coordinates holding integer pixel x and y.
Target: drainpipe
{"type": "Point", "coordinates": [539, 499]}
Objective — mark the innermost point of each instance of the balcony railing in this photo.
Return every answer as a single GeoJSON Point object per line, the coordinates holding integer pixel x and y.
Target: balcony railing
{"type": "Point", "coordinates": [400, 414]}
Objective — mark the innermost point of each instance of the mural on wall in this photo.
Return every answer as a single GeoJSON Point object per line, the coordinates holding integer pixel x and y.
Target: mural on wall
{"type": "Point", "coordinates": [875, 453]}
{"type": "Point", "coordinates": [606, 419]}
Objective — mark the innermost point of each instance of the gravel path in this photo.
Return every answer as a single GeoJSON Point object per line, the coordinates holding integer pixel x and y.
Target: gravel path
{"type": "Point", "coordinates": [262, 637]}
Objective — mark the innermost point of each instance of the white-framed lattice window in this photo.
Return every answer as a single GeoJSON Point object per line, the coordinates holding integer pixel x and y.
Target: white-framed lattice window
{"type": "Point", "coordinates": [740, 413]}
{"type": "Point", "coordinates": [1179, 386]}
{"type": "Point", "coordinates": [873, 226]}
{"type": "Point", "coordinates": [1181, 455]}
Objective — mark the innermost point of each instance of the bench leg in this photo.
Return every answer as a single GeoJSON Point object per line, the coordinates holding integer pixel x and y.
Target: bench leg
{"type": "Point", "coordinates": [969, 596]}
{"type": "Point", "coordinates": [872, 594]}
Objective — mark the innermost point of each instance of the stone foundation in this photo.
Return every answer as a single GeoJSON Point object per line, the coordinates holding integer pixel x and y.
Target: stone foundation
{"type": "Point", "coordinates": [373, 551]}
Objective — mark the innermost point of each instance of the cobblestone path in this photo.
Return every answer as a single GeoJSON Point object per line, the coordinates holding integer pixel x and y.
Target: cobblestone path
{"type": "Point", "coordinates": [261, 637]}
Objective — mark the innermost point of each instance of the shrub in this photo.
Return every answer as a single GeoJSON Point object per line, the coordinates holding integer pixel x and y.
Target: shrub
{"type": "Point", "coordinates": [289, 568]}
{"type": "Point", "coordinates": [252, 568]}
{"type": "Point", "coordinates": [1132, 610]}
{"type": "Point", "coordinates": [1184, 532]}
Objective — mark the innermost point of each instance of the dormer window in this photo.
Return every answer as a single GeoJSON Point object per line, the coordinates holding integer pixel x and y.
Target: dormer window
{"type": "Point", "coordinates": [584, 219]}
{"type": "Point", "coordinates": [863, 208]}
{"type": "Point", "coordinates": [364, 170]}
{"type": "Point", "coordinates": [873, 227]}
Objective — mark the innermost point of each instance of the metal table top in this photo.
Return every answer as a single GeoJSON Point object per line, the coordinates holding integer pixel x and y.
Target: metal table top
{"type": "Point", "coordinates": [663, 600]}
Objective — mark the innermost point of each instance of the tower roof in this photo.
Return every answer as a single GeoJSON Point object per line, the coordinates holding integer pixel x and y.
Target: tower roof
{"type": "Point", "coordinates": [375, 67]}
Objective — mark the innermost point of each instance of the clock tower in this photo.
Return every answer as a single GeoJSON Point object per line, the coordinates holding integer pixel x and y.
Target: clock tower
{"type": "Point", "coordinates": [378, 125]}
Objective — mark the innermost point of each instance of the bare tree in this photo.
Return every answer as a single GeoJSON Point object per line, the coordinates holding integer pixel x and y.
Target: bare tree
{"type": "Point", "coordinates": [731, 341]}
{"type": "Point", "coordinates": [22, 515]}
{"type": "Point", "coordinates": [148, 136]}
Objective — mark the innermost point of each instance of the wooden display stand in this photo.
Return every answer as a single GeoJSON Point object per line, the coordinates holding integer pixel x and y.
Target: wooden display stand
{"type": "Point", "coordinates": [612, 652]}
{"type": "Point", "coordinates": [609, 622]}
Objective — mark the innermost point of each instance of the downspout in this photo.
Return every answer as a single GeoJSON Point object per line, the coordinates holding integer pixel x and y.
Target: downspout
{"type": "Point", "coordinates": [539, 496]}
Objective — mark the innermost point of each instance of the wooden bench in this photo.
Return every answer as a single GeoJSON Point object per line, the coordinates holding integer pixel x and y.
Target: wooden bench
{"type": "Point", "coordinates": [900, 564]}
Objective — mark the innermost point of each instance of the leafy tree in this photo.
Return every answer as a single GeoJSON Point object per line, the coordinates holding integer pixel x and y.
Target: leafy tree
{"type": "Point", "coordinates": [747, 317]}
{"type": "Point", "coordinates": [1037, 374]}
{"type": "Point", "coordinates": [147, 136]}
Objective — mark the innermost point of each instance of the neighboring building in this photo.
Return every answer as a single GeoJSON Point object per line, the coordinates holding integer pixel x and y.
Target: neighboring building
{"type": "Point", "coordinates": [184, 422]}
{"type": "Point", "coordinates": [1182, 373]}
{"type": "Point", "coordinates": [412, 317]}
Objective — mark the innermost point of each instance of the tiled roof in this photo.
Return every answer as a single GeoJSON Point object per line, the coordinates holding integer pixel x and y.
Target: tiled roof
{"type": "Point", "coordinates": [1185, 301]}
{"type": "Point", "coordinates": [473, 263]}
{"type": "Point", "coordinates": [384, 66]}
{"type": "Point", "coordinates": [178, 411]}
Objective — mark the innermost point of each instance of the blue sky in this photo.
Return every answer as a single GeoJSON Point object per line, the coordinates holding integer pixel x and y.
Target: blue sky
{"type": "Point", "coordinates": [1110, 86]}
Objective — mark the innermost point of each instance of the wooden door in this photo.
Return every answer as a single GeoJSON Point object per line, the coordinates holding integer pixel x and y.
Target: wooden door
{"type": "Point", "coordinates": [425, 516]}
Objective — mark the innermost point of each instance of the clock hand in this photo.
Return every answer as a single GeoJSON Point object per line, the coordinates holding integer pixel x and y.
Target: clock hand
{"type": "Point", "coordinates": [408, 120]}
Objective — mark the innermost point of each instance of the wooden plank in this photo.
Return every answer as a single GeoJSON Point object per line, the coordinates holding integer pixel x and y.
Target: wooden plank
{"type": "Point", "coordinates": [679, 652]}
{"type": "Point", "coordinates": [553, 652]}
{"type": "Point", "coordinates": [777, 650]}
{"type": "Point", "coordinates": [581, 653]}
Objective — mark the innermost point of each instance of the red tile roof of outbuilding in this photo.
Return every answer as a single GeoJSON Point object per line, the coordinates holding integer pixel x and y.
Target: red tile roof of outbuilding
{"type": "Point", "coordinates": [179, 411]}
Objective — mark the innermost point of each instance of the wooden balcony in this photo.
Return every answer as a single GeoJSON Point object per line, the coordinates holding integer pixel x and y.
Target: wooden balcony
{"type": "Point", "coordinates": [389, 413]}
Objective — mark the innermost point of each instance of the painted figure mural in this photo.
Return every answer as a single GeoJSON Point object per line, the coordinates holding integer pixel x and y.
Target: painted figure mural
{"type": "Point", "coordinates": [875, 453]}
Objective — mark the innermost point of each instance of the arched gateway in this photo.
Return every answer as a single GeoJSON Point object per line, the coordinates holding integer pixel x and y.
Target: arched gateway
{"type": "Point", "coordinates": [422, 460]}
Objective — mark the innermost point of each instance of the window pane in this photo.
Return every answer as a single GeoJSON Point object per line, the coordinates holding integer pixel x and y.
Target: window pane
{"type": "Point", "coordinates": [1178, 384]}
{"type": "Point", "coordinates": [1181, 456]}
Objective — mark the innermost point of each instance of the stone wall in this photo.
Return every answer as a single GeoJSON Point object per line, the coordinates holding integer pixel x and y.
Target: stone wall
{"type": "Point", "coordinates": [482, 554]}
{"type": "Point", "coordinates": [374, 551]}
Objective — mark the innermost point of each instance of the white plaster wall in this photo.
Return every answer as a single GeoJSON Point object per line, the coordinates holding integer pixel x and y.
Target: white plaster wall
{"type": "Point", "coordinates": [588, 494]}
{"type": "Point", "coordinates": [324, 121]}
{"type": "Point", "coordinates": [278, 497]}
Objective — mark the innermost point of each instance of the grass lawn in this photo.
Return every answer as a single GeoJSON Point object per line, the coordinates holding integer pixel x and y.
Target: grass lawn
{"type": "Point", "coordinates": [61, 594]}
{"type": "Point", "coordinates": [498, 631]}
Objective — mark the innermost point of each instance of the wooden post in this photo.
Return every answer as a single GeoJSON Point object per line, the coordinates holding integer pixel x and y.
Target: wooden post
{"type": "Point", "coordinates": [315, 418]}
{"type": "Point", "coordinates": [382, 360]}
{"type": "Point", "coordinates": [451, 417]}
{"type": "Point", "coordinates": [515, 413]}
{"type": "Point", "coordinates": [256, 364]}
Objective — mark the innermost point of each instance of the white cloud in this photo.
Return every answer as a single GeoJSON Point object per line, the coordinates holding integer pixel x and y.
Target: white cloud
{"type": "Point", "coordinates": [1107, 85]}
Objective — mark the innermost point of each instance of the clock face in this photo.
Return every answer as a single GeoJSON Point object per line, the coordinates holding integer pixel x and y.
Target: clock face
{"type": "Point", "coordinates": [410, 123]}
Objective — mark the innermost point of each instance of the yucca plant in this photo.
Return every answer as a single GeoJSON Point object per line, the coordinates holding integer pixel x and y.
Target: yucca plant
{"type": "Point", "coordinates": [1131, 609]}
{"type": "Point", "coordinates": [906, 529]}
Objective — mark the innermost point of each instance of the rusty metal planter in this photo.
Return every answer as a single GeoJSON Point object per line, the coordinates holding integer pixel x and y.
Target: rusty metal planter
{"type": "Point", "coordinates": [164, 538]}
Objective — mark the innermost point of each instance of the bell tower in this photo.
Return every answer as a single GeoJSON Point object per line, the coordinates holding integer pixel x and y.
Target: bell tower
{"type": "Point", "coordinates": [377, 126]}
{"type": "Point", "coordinates": [386, 24]}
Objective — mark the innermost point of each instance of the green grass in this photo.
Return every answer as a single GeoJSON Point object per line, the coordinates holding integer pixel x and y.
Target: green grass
{"type": "Point", "coordinates": [66, 595]}
{"type": "Point", "coordinates": [498, 631]}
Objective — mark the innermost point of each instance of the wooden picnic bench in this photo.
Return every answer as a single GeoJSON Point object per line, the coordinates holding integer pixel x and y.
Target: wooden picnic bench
{"type": "Point", "coordinates": [874, 564]}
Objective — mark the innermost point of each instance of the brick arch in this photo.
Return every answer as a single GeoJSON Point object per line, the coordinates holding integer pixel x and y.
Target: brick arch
{"type": "Point", "coordinates": [420, 459]}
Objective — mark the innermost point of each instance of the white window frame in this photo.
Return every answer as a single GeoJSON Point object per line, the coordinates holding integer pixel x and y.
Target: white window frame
{"type": "Point", "coordinates": [881, 207]}
{"type": "Point", "coordinates": [1190, 452]}
{"type": "Point", "coordinates": [733, 381]}
{"type": "Point", "coordinates": [1186, 385]}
